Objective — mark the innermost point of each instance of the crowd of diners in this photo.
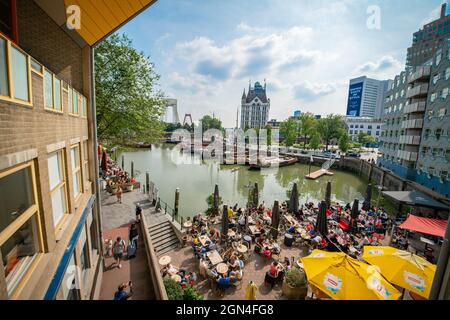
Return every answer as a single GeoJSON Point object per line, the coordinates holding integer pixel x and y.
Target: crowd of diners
{"type": "Point", "coordinates": [222, 257]}
{"type": "Point", "coordinates": [117, 179]}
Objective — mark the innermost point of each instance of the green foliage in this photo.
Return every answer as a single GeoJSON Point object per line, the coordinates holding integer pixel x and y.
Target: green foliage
{"type": "Point", "coordinates": [307, 125]}
{"type": "Point", "coordinates": [209, 122]}
{"type": "Point", "coordinates": [330, 128]}
{"type": "Point", "coordinates": [314, 143]}
{"type": "Point", "coordinates": [173, 289]}
{"type": "Point", "coordinates": [210, 202]}
{"type": "Point", "coordinates": [295, 278]}
{"type": "Point", "coordinates": [366, 139]}
{"type": "Point", "coordinates": [289, 130]}
{"type": "Point", "coordinates": [344, 142]}
{"type": "Point", "coordinates": [191, 294]}
{"type": "Point", "coordinates": [129, 106]}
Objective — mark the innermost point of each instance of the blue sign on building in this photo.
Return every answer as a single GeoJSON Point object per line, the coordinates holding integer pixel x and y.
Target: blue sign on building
{"type": "Point", "coordinates": [354, 99]}
{"type": "Point", "coordinates": [297, 113]}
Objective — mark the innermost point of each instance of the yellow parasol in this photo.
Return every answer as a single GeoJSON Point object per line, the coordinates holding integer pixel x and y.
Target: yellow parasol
{"type": "Point", "coordinates": [343, 278]}
{"type": "Point", "coordinates": [402, 268]}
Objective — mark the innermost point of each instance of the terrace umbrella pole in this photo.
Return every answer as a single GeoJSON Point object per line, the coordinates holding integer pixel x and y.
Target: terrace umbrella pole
{"type": "Point", "coordinates": [321, 223]}
{"type": "Point", "coordinates": [354, 215]}
{"type": "Point", "coordinates": [216, 201]}
{"type": "Point", "coordinates": [256, 196]}
{"type": "Point", "coordinates": [328, 194]}
{"type": "Point", "coordinates": [293, 202]}
{"type": "Point", "coordinates": [368, 198]}
{"type": "Point", "coordinates": [275, 219]}
{"type": "Point", "coordinates": [225, 220]}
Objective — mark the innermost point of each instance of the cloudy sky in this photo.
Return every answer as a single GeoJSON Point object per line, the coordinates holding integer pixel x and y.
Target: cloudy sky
{"type": "Point", "coordinates": [206, 51]}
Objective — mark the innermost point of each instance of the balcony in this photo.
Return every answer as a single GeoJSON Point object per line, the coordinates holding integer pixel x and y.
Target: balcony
{"type": "Point", "coordinates": [407, 155]}
{"type": "Point", "coordinates": [412, 140]}
{"type": "Point", "coordinates": [412, 124]}
{"type": "Point", "coordinates": [417, 91]}
{"type": "Point", "coordinates": [415, 107]}
{"type": "Point", "coordinates": [421, 73]}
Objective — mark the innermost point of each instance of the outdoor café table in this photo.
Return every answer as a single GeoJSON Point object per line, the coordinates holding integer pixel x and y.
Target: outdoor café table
{"type": "Point", "coordinates": [250, 220]}
{"type": "Point", "coordinates": [290, 219]}
{"type": "Point", "coordinates": [204, 239]}
{"type": "Point", "coordinates": [187, 224]}
{"type": "Point", "coordinates": [222, 268]}
{"type": "Point", "coordinates": [231, 233]}
{"type": "Point", "coordinates": [254, 230]}
{"type": "Point", "coordinates": [214, 257]}
{"type": "Point", "coordinates": [242, 249]}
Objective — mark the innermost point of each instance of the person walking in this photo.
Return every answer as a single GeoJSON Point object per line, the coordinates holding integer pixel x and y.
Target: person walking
{"type": "Point", "coordinates": [119, 194]}
{"type": "Point", "coordinates": [250, 292]}
{"type": "Point", "coordinates": [138, 212]}
{"type": "Point", "coordinates": [121, 294]}
{"type": "Point", "coordinates": [118, 251]}
{"type": "Point", "coordinates": [134, 234]}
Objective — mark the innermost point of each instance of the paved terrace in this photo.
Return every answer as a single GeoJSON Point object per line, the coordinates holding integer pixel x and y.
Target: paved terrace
{"type": "Point", "coordinates": [116, 222]}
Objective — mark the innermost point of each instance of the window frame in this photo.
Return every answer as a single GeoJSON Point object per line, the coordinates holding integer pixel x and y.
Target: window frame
{"type": "Point", "coordinates": [33, 212]}
{"type": "Point", "coordinates": [9, 74]}
{"type": "Point", "coordinates": [77, 171]}
{"type": "Point", "coordinates": [85, 162]}
{"type": "Point", "coordinates": [54, 79]}
{"type": "Point", "coordinates": [62, 167]}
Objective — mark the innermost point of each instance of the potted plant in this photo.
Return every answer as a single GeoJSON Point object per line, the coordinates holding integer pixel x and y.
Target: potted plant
{"type": "Point", "coordinates": [173, 289]}
{"type": "Point", "coordinates": [295, 285]}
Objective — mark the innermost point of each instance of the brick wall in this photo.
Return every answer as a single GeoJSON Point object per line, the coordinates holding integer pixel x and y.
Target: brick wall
{"type": "Point", "coordinates": [45, 41]}
{"type": "Point", "coordinates": [24, 128]}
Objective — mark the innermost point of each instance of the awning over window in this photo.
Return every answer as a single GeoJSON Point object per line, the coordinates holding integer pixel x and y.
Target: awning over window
{"type": "Point", "coordinates": [428, 226]}
{"type": "Point", "coordinates": [415, 198]}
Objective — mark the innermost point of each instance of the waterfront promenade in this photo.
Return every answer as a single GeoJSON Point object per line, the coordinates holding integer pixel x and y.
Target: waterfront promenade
{"type": "Point", "coordinates": [116, 222]}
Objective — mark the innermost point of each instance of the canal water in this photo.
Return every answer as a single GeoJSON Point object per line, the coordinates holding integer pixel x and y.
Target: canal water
{"type": "Point", "coordinates": [169, 169]}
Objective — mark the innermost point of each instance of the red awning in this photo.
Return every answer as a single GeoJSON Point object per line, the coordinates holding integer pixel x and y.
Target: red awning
{"type": "Point", "coordinates": [429, 226]}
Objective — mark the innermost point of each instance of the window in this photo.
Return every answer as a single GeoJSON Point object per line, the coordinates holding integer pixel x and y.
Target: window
{"type": "Point", "coordinates": [58, 188]}
{"type": "Point", "coordinates": [76, 171]}
{"type": "Point", "coordinates": [20, 241]}
{"type": "Point", "coordinates": [4, 85]}
{"type": "Point", "coordinates": [86, 160]}
{"type": "Point", "coordinates": [37, 67]}
{"type": "Point", "coordinates": [20, 75]}
{"type": "Point", "coordinates": [433, 97]}
{"type": "Point", "coordinates": [444, 93]}
{"type": "Point", "coordinates": [58, 94]}
{"type": "Point", "coordinates": [94, 234]}
{"type": "Point", "coordinates": [48, 91]}
{"type": "Point", "coordinates": [52, 92]}
{"type": "Point", "coordinates": [75, 102]}
{"type": "Point", "coordinates": [447, 73]}
{"type": "Point", "coordinates": [83, 107]}
{"type": "Point", "coordinates": [70, 100]}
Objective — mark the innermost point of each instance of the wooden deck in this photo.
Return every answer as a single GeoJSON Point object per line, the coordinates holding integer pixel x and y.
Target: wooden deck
{"type": "Point", "coordinates": [319, 173]}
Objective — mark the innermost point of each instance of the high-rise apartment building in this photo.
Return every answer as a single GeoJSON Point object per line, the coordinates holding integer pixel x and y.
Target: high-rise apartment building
{"type": "Point", "coordinates": [416, 130]}
{"type": "Point", "coordinates": [255, 107]}
{"type": "Point", "coordinates": [50, 223]}
{"type": "Point", "coordinates": [427, 40]}
{"type": "Point", "coordinates": [366, 97]}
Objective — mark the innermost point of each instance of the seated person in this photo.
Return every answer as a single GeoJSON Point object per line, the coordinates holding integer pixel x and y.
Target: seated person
{"type": "Point", "coordinates": [191, 278]}
{"type": "Point", "coordinates": [223, 281]}
{"type": "Point", "coordinates": [274, 269]}
{"type": "Point", "coordinates": [276, 248]}
{"type": "Point", "coordinates": [291, 229]}
{"type": "Point", "coordinates": [236, 276]}
{"type": "Point", "coordinates": [267, 253]}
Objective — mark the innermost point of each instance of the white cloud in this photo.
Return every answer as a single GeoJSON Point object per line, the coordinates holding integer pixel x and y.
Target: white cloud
{"type": "Point", "coordinates": [386, 66]}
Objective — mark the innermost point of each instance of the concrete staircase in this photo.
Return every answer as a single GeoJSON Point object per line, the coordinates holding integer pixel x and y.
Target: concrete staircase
{"type": "Point", "coordinates": [163, 237]}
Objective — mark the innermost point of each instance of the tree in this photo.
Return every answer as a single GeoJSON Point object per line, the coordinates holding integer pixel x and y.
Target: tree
{"type": "Point", "coordinates": [307, 125]}
{"type": "Point", "coordinates": [289, 130]}
{"type": "Point", "coordinates": [209, 122]}
{"type": "Point", "coordinates": [344, 142]}
{"type": "Point", "coordinates": [314, 143]}
{"type": "Point", "coordinates": [129, 106]}
{"type": "Point", "coordinates": [366, 139]}
{"type": "Point", "coordinates": [269, 134]}
{"type": "Point", "coordinates": [330, 128]}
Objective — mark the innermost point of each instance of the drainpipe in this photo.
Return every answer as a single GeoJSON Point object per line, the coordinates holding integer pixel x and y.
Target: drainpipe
{"type": "Point", "coordinates": [439, 288]}
{"type": "Point", "coordinates": [93, 111]}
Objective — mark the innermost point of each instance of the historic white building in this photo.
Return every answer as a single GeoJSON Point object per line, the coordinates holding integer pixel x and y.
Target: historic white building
{"type": "Point", "coordinates": [255, 107]}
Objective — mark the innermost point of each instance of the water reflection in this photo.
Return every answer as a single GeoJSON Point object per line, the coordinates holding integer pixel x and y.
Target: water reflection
{"type": "Point", "coordinates": [170, 169]}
